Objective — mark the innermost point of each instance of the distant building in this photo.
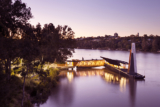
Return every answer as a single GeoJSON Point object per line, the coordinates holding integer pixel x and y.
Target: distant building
{"type": "Point", "coordinates": [96, 40]}
{"type": "Point", "coordinates": [115, 36]}
{"type": "Point", "coordinates": [137, 34]}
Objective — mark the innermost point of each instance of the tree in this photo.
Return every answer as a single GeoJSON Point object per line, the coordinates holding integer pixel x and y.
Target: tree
{"type": "Point", "coordinates": [144, 43]}
{"type": "Point", "coordinates": [56, 43]}
{"type": "Point", "coordinates": [155, 44]}
{"type": "Point", "coordinates": [14, 15]}
{"type": "Point", "coordinates": [29, 53]}
{"type": "Point", "coordinates": [13, 18]}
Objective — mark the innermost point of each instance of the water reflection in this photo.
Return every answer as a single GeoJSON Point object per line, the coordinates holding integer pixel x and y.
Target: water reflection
{"type": "Point", "coordinates": [80, 73]}
{"type": "Point", "coordinates": [108, 76]}
{"type": "Point", "coordinates": [115, 79]}
{"type": "Point", "coordinates": [94, 90]}
{"type": "Point", "coordinates": [132, 91]}
{"type": "Point", "coordinates": [64, 94]}
{"type": "Point", "coordinates": [90, 72]}
{"type": "Point", "coordinates": [70, 76]}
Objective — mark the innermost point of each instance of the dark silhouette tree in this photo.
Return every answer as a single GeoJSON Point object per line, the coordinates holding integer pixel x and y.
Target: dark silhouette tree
{"type": "Point", "coordinates": [56, 43]}
{"type": "Point", "coordinates": [13, 18]}
{"type": "Point", "coordinates": [144, 43]}
{"type": "Point", "coordinates": [29, 52]}
{"type": "Point", "coordinates": [155, 44]}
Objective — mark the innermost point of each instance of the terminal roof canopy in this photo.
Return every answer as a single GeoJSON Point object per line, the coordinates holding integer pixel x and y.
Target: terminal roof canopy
{"type": "Point", "coordinates": [114, 62]}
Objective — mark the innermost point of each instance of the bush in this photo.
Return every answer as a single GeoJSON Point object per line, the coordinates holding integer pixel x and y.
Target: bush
{"type": "Point", "coordinates": [53, 73]}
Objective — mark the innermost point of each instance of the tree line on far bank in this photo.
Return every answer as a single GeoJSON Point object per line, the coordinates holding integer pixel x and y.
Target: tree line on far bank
{"type": "Point", "coordinates": [143, 43]}
{"type": "Point", "coordinates": [32, 46]}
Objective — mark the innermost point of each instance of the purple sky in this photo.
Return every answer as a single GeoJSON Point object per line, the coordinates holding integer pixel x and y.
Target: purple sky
{"type": "Point", "coordinates": [99, 17]}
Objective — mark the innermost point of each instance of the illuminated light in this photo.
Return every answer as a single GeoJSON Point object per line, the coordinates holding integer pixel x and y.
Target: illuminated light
{"type": "Point", "coordinates": [122, 84]}
{"type": "Point", "coordinates": [89, 74]}
{"type": "Point", "coordinates": [107, 62]}
{"type": "Point", "coordinates": [70, 76]}
{"type": "Point", "coordinates": [117, 79]}
{"type": "Point", "coordinates": [110, 78]}
{"type": "Point", "coordinates": [98, 73]}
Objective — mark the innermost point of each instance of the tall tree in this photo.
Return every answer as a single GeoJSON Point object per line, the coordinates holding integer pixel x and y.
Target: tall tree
{"type": "Point", "coordinates": [29, 53]}
{"type": "Point", "coordinates": [57, 43]}
{"type": "Point", "coordinates": [13, 18]}
{"type": "Point", "coordinates": [14, 15]}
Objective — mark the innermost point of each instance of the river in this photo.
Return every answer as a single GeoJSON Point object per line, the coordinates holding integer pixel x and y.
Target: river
{"type": "Point", "coordinates": [98, 87]}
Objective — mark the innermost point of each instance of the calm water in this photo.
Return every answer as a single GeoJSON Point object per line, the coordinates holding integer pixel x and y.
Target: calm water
{"type": "Point", "coordinates": [99, 87]}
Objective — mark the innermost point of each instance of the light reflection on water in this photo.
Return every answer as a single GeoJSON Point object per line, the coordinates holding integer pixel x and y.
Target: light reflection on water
{"type": "Point", "coordinates": [64, 95]}
{"type": "Point", "coordinates": [104, 88]}
{"type": "Point", "coordinates": [108, 76]}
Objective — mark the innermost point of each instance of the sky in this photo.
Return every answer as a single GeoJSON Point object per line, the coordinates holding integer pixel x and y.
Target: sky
{"type": "Point", "coordinates": [99, 17]}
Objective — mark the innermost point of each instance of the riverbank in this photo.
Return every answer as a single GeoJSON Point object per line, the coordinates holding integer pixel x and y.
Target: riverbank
{"type": "Point", "coordinates": [118, 49]}
{"type": "Point", "coordinates": [37, 89]}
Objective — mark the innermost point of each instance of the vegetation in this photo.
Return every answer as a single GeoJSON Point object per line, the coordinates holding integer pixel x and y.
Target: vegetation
{"type": "Point", "coordinates": [36, 90]}
{"type": "Point", "coordinates": [24, 49]}
{"type": "Point", "coordinates": [143, 43]}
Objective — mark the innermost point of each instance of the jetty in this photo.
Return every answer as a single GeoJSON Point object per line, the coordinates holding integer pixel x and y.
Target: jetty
{"type": "Point", "coordinates": [129, 69]}
{"type": "Point", "coordinates": [86, 63]}
{"type": "Point", "coordinates": [122, 67]}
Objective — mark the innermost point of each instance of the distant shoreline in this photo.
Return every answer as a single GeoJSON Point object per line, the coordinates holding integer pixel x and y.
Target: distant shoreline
{"type": "Point", "coordinates": [118, 50]}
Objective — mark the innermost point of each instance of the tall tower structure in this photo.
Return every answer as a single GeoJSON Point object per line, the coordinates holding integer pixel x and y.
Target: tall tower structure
{"type": "Point", "coordinates": [132, 68]}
